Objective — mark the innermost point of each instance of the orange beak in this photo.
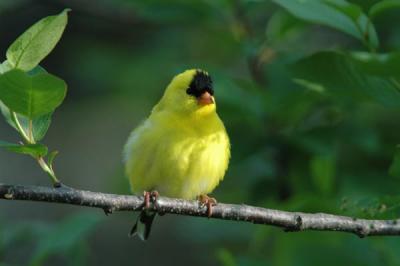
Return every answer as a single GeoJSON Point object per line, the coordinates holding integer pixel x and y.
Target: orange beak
{"type": "Point", "coordinates": [205, 99]}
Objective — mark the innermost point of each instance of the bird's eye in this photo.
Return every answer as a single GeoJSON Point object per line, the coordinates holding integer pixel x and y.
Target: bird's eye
{"type": "Point", "coordinates": [193, 92]}
{"type": "Point", "coordinates": [190, 91]}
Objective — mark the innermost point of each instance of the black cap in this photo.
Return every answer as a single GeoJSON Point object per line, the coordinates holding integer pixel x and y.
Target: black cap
{"type": "Point", "coordinates": [201, 83]}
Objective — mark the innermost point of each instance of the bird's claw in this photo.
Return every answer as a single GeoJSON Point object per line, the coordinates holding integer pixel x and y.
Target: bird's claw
{"type": "Point", "coordinates": [146, 195]}
{"type": "Point", "coordinates": [150, 196]}
{"type": "Point", "coordinates": [209, 202]}
{"type": "Point", "coordinates": [154, 195]}
{"type": "Point", "coordinates": [108, 210]}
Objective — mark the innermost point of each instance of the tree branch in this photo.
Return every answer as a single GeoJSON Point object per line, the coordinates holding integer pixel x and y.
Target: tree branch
{"type": "Point", "coordinates": [290, 221]}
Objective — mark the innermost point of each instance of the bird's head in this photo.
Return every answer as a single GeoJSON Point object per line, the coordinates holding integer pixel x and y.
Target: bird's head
{"type": "Point", "coordinates": [190, 92]}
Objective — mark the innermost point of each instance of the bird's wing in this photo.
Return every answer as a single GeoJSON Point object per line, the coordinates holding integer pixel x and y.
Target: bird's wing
{"type": "Point", "coordinates": [154, 155]}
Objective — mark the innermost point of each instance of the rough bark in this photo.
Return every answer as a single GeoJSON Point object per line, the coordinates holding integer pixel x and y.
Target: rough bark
{"type": "Point", "coordinates": [289, 221]}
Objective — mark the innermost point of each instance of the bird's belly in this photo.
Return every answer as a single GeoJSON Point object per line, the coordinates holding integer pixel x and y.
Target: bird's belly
{"type": "Point", "coordinates": [177, 163]}
{"type": "Point", "coordinates": [194, 168]}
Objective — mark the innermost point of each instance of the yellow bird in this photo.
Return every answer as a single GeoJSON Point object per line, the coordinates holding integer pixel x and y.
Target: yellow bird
{"type": "Point", "coordinates": [182, 149]}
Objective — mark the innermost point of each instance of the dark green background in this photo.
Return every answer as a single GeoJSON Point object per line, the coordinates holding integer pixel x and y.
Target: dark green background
{"type": "Point", "coordinates": [313, 128]}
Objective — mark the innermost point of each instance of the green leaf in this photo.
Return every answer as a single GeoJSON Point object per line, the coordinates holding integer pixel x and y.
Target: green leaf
{"type": "Point", "coordinates": [40, 125]}
{"type": "Point", "coordinates": [383, 6]}
{"type": "Point", "coordinates": [34, 150]}
{"type": "Point", "coordinates": [337, 14]}
{"type": "Point", "coordinates": [32, 96]}
{"type": "Point", "coordinates": [343, 78]}
{"type": "Point", "coordinates": [24, 120]}
{"type": "Point", "coordinates": [7, 115]}
{"type": "Point", "coordinates": [323, 172]}
{"type": "Point", "coordinates": [283, 30]}
{"type": "Point", "coordinates": [4, 67]}
{"type": "Point", "coordinates": [385, 65]}
{"type": "Point", "coordinates": [36, 70]}
{"type": "Point", "coordinates": [37, 42]}
{"type": "Point", "coordinates": [51, 157]}
{"type": "Point", "coordinates": [394, 169]}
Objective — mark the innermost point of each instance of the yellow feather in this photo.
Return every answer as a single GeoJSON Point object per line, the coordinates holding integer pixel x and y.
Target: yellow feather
{"type": "Point", "coordinates": [182, 149]}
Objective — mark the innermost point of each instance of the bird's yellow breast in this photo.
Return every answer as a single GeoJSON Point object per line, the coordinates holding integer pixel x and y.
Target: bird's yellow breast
{"type": "Point", "coordinates": [176, 155]}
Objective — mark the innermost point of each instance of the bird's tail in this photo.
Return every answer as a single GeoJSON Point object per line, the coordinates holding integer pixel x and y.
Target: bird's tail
{"type": "Point", "coordinates": [143, 224]}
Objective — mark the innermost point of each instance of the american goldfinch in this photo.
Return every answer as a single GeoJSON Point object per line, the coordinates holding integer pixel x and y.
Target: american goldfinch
{"type": "Point", "coordinates": [182, 149]}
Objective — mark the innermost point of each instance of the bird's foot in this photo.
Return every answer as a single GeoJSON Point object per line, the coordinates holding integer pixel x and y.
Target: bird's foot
{"type": "Point", "coordinates": [150, 196]}
{"type": "Point", "coordinates": [209, 202]}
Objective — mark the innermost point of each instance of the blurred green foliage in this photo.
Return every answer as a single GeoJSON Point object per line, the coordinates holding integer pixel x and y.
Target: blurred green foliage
{"type": "Point", "coordinates": [63, 239]}
{"type": "Point", "coordinates": [308, 90]}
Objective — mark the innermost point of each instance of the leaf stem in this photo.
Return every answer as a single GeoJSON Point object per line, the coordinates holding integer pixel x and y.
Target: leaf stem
{"type": "Point", "coordinates": [30, 131]}
{"type": "Point", "coordinates": [49, 171]}
{"type": "Point", "coordinates": [19, 127]}
{"type": "Point", "coordinates": [30, 140]}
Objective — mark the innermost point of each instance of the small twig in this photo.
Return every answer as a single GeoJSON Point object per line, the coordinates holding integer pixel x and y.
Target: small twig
{"type": "Point", "coordinates": [29, 138]}
{"type": "Point", "coordinates": [49, 171]}
{"type": "Point", "coordinates": [289, 221]}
